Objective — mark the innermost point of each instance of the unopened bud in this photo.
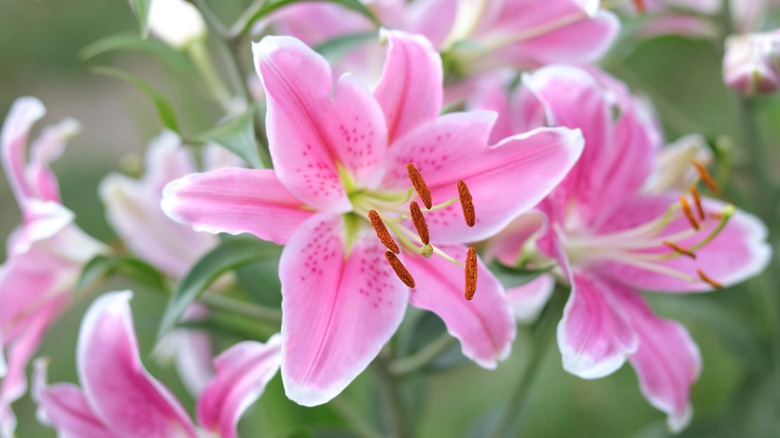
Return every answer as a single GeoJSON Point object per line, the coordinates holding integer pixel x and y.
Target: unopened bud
{"type": "Point", "coordinates": [750, 65]}
{"type": "Point", "coordinates": [176, 22]}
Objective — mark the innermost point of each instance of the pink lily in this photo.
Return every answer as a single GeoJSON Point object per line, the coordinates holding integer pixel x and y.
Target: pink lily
{"type": "Point", "coordinates": [119, 398]}
{"type": "Point", "coordinates": [339, 152]}
{"type": "Point", "coordinates": [750, 65]}
{"type": "Point", "coordinates": [610, 239]}
{"type": "Point", "coordinates": [45, 254]}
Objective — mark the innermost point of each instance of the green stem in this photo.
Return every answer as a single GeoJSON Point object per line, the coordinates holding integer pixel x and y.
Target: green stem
{"type": "Point", "coordinates": [422, 358]}
{"type": "Point", "coordinates": [543, 334]}
{"type": "Point", "coordinates": [199, 54]}
{"type": "Point", "coordinates": [356, 419]}
{"type": "Point", "coordinates": [395, 409]}
{"type": "Point", "coordinates": [228, 304]}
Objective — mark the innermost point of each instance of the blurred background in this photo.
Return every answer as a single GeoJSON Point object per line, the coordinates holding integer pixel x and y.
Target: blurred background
{"type": "Point", "coordinates": [738, 330]}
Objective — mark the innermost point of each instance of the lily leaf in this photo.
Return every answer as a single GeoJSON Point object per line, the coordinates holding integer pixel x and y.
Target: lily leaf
{"type": "Point", "coordinates": [232, 253]}
{"type": "Point", "coordinates": [141, 10]}
{"type": "Point", "coordinates": [102, 266]}
{"type": "Point", "coordinates": [133, 43]}
{"type": "Point", "coordinates": [164, 108]}
{"type": "Point", "coordinates": [238, 135]}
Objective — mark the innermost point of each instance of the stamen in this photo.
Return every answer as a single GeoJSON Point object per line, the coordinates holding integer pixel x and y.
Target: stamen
{"type": "Point", "coordinates": [466, 202]}
{"type": "Point", "coordinates": [399, 268]}
{"type": "Point", "coordinates": [640, 6]}
{"type": "Point", "coordinates": [381, 232]}
{"type": "Point", "coordinates": [426, 251]}
{"type": "Point", "coordinates": [705, 176]}
{"type": "Point", "coordinates": [471, 273]}
{"type": "Point", "coordinates": [689, 213]}
{"type": "Point", "coordinates": [705, 278]}
{"type": "Point", "coordinates": [419, 222]}
{"type": "Point", "coordinates": [419, 185]}
{"type": "Point", "coordinates": [697, 202]}
{"type": "Point", "coordinates": [679, 249]}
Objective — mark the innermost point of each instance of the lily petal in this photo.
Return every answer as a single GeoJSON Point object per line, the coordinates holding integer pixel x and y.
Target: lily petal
{"type": "Point", "coordinates": [667, 361]}
{"type": "Point", "coordinates": [410, 90]}
{"type": "Point", "coordinates": [243, 371]}
{"type": "Point", "coordinates": [529, 299]}
{"type": "Point", "coordinates": [595, 340]}
{"type": "Point", "coordinates": [24, 112]}
{"type": "Point", "coordinates": [485, 325]}
{"type": "Point", "coordinates": [505, 180]}
{"type": "Point", "coordinates": [111, 374]}
{"type": "Point", "coordinates": [339, 307]}
{"type": "Point", "coordinates": [64, 407]}
{"type": "Point", "coordinates": [346, 130]}
{"type": "Point", "coordinates": [47, 148]}
{"type": "Point", "coordinates": [235, 201]}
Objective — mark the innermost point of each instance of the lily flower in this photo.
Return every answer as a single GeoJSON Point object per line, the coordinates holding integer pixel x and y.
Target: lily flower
{"type": "Point", "coordinates": [750, 65]}
{"type": "Point", "coordinates": [45, 254]}
{"type": "Point", "coordinates": [119, 398]}
{"type": "Point", "coordinates": [351, 169]}
{"type": "Point", "coordinates": [612, 239]}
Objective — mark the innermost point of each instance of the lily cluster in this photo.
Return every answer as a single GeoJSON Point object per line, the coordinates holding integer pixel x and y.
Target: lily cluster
{"type": "Point", "coordinates": [381, 195]}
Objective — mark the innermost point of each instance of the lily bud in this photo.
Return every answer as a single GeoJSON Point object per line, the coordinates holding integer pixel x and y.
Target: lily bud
{"type": "Point", "coordinates": [176, 22]}
{"type": "Point", "coordinates": [751, 63]}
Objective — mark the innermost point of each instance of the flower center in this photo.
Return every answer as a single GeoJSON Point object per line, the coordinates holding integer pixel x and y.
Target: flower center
{"type": "Point", "coordinates": [649, 245]}
{"type": "Point", "coordinates": [389, 214]}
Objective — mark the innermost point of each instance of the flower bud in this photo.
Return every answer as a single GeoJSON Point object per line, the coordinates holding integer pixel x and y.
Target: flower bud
{"type": "Point", "coordinates": [751, 63]}
{"type": "Point", "coordinates": [176, 22]}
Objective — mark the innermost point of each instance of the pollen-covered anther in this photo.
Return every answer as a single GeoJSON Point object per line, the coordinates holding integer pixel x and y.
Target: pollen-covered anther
{"type": "Point", "coordinates": [419, 222]}
{"type": "Point", "coordinates": [419, 185]}
{"type": "Point", "coordinates": [467, 203]}
{"type": "Point", "coordinates": [686, 208]}
{"type": "Point", "coordinates": [399, 269]}
{"type": "Point", "coordinates": [471, 273]}
{"type": "Point", "coordinates": [679, 249]}
{"type": "Point", "coordinates": [707, 279]}
{"type": "Point", "coordinates": [381, 232]}
{"type": "Point", "coordinates": [697, 202]}
{"type": "Point", "coordinates": [705, 176]}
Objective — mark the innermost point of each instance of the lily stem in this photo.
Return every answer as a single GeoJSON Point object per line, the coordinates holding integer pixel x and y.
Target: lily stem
{"type": "Point", "coordinates": [542, 333]}
{"type": "Point", "coordinates": [423, 357]}
{"type": "Point", "coordinates": [226, 303]}
{"type": "Point", "coordinates": [395, 409]}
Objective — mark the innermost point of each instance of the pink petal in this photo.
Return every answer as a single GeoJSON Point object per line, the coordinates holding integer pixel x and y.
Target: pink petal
{"type": "Point", "coordinates": [339, 307]}
{"type": "Point", "coordinates": [410, 90]}
{"type": "Point", "coordinates": [507, 245]}
{"type": "Point", "coordinates": [594, 338]}
{"type": "Point", "coordinates": [134, 212]}
{"type": "Point", "coordinates": [505, 180]}
{"type": "Point", "coordinates": [739, 252]}
{"type": "Point", "coordinates": [64, 407]}
{"type": "Point", "coordinates": [43, 220]}
{"type": "Point", "coordinates": [243, 372]}
{"type": "Point", "coordinates": [47, 148]}
{"type": "Point", "coordinates": [529, 299]}
{"type": "Point", "coordinates": [24, 112]}
{"type": "Point", "coordinates": [667, 361]}
{"type": "Point", "coordinates": [235, 201]}
{"type": "Point", "coordinates": [120, 391]}
{"type": "Point", "coordinates": [310, 133]}
{"type": "Point", "coordinates": [431, 18]}
{"type": "Point", "coordinates": [485, 325]}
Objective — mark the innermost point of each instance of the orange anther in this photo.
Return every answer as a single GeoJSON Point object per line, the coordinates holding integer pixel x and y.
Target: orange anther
{"type": "Point", "coordinates": [466, 202]}
{"type": "Point", "coordinates": [705, 176]}
{"type": "Point", "coordinates": [381, 232]}
{"type": "Point", "coordinates": [419, 185]}
{"type": "Point", "coordinates": [679, 249]}
{"type": "Point", "coordinates": [471, 273]}
{"type": "Point", "coordinates": [686, 208]}
{"type": "Point", "coordinates": [419, 223]}
{"type": "Point", "coordinates": [705, 278]}
{"type": "Point", "coordinates": [697, 202]}
{"type": "Point", "coordinates": [399, 268]}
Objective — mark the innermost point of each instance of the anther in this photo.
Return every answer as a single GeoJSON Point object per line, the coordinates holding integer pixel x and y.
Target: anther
{"type": "Point", "coordinates": [705, 278]}
{"type": "Point", "coordinates": [382, 233]}
{"type": "Point", "coordinates": [471, 273]}
{"type": "Point", "coordinates": [640, 6]}
{"type": "Point", "coordinates": [679, 249]}
{"type": "Point", "coordinates": [697, 202]}
{"type": "Point", "coordinates": [419, 185]}
{"type": "Point", "coordinates": [705, 176]}
{"type": "Point", "coordinates": [686, 208]}
{"type": "Point", "coordinates": [419, 222]}
{"type": "Point", "coordinates": [399, 268]}
{"type": "Point", "coordinates": [467, 203]}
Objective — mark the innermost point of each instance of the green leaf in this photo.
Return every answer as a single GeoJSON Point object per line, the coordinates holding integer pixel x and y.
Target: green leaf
{"type": "Point", "coordinates": [102, 266]}
{"type": "Point", "coordinates": [229, 255]}
{"type": "Point", "coordinates": [511, 277]}
{"type": "Point", "coordinates": [238, 135]}
{"type": "Point", "coordinates": [164, 109]}
{"type": "Point", "coordinates": [141, 10]}
{"type": "Point", "coordinates": [132, 42]}
{"type": "Point", "coordinates": [335, 49]}
{"type": "Point", "coordinates": [274, 5]}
